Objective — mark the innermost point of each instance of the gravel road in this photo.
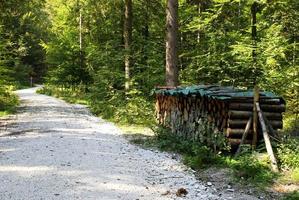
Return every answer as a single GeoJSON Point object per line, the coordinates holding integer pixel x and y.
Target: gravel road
{"type": "Point", "coordinates": [55, 150]}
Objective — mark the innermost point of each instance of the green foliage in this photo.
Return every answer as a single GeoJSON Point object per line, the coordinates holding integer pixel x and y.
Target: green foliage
{"type": "Point", "coordinates": [8, 101]}
{"type": "Point", "coordinates": [249, 167]}
{"type": "Point", "coordinates": [23, 24]}
{"type": "Point", "coordinates": [116, 106]}
{"type": "Point", "coordinates": [195, 154]}
{"type": "Point", "coordinates": [211, 136]}
{"type": "Point", "coordinates": [288, 153]}
{"type": "Point", "coordinates": [215, 47]}
{"type": "Point", "coordinates": [292, 196]}
{"type": "Point", "coordinates": [295, 175]}
{"type": "Point", "coordinates": [71, 95]}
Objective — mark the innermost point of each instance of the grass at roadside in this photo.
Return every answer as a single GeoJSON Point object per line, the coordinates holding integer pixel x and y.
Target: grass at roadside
{"type": "Point", "coordinates": [75, 95]}
{"type": "Point", "coordinates": [117, 107]}
{"type": "Point", "coordinates": [8, 101]}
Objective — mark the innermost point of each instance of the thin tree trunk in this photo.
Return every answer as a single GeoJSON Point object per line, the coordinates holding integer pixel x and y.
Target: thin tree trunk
{"type": "Point", "coordinates": [199, 13]}
{"type": "Point", "coordinates": [80, 39]}
{"type": "Point", "coordinates": [172, 71]}
{"type": "Point", "coordinates": [146, 35]}
{"type": "Point", "coordinates": [128, 40]}
{"type": "Point", "coordinates": [254, 40]}
{"type": "Point", "coordinates": [80, 27]}
{"type": "Point", "coordinates": [296, 75]}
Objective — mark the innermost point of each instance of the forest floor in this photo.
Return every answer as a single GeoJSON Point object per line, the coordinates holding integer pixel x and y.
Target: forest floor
{"type": "Point", "coordinates": [54, 150]}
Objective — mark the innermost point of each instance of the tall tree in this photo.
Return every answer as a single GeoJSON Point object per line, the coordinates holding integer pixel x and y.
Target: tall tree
{"type": "Point", "coordinates": [254, 39]}
{"type": "Point", "coordinates": [128, 40]}
{"type": "Point", "coordinates": [172, 71]}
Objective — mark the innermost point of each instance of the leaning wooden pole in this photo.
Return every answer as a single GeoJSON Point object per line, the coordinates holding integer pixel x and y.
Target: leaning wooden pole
{"type": "Point", "coordinates": [248, 125]}
{"type": "Point", "coordinates": [267, 139]}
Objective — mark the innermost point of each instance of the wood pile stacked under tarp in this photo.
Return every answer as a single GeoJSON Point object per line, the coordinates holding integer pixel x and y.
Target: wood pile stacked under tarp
{"type": "Point", "coordinates": [227, 108]}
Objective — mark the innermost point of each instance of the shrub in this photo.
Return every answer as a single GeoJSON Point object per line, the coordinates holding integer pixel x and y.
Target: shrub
{"type": "Point", "coordinates": [249, 167]}
{"type": "Point", "coordinates": [288, 153]}
{"type": "Point", "coordinates": [8, 100]}
{"type": "Point", "coordinates": [292, 196]}
{"type": "Point", "coordinates": [195, 154]}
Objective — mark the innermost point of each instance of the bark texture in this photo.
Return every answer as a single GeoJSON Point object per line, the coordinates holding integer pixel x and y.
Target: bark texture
{"type": "Point", "coordinates": [128, 40]}
{"type": "Point", "coordinates": [172, 71]}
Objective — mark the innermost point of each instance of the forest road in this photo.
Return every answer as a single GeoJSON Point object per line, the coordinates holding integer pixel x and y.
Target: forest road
{"type": "Point", "coordinates": [55, 150]}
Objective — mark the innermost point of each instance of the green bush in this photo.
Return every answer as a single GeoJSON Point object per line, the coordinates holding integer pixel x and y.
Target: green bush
{"type": "Point", "coordinates": [195, 154]}
{"type": "Point", "coordinates": [288, 153]}
{"type": "Point", "coordinates": [292, 196]}
{"type": "Point", "coordinates": [249, 167]}
{"type": "Point", "coordinates": [130, 108]}
{"type": "Point", "coordinates": [8, 100]}
{"type": "Point", "coordinates": [201, 156]}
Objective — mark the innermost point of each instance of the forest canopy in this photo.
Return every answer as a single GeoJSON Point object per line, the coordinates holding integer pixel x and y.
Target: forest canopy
{"type": "Point", "coordinates": [114, 51]}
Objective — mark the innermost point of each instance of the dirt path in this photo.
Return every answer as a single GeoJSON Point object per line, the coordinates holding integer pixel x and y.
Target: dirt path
{"type": "Point", "coordinates": [54, 150]}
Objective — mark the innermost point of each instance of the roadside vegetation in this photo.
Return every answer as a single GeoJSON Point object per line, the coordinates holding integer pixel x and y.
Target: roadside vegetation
{"type": "Point", "coordinates": [124, 109]}
{"type": "Point", "coordinates": [8, 101]}
{"type": "Point", "coordinates": [249, 168]}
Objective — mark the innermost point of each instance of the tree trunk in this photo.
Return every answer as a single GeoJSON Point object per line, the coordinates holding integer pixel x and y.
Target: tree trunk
{"type": "Point", "coordinates": [172, 71]}
{"type": "Point", "coordinates": [254, 40]}
{"type": "Point", "coordinates": [199, 13]}
{"type": "Point", "coordinates": [80, 39]}
{"type": "Point", "coordinates": [128, 40]}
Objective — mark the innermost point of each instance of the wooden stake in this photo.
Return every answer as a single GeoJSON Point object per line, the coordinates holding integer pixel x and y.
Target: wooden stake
{"type": "Point", "coordinates": [255, 116]}
{"type": "Point", "coordinates": [248, 125]}
{"type": "Point", "coordinates": [31, 81]}
{"type": "Point", "coordinates": [267, 139]}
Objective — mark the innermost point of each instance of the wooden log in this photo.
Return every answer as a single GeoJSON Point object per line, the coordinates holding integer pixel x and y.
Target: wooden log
{"type": "Point", "coordinates": [267, 139]}
{"type": "Point", "coordinates": [235, 142]}
{"type": "Point", "coordinates": [271, 128]}
{"type": "Point", "coordinates": [261, 100]}
{"type": "Point", "coordinates": [237, 114]}
{"type": "Point", "coordinates": [265, 107]}
{"type": "Point", "coordinates": [239, 123]}
{"type": "Point", "coordinates": [236, 133]}
{"type": "Point", "coordinates": [244, 136]}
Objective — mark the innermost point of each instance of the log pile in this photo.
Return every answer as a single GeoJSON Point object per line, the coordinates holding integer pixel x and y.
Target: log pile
{"type": "Point", "coordinates": [227, 109]}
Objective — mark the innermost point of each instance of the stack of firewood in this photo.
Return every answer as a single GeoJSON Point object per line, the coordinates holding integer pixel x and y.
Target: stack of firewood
{"type": "Point", "coordinates": [226, 108]}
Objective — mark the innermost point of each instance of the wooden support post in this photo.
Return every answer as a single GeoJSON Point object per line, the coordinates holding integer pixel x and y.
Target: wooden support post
{"type": "Point", "coordinates": [255, 116]}
{"type": "Point", "coordinates": [31, 81]}
{"type": "Point", "coordinates": [267, 139]}
{"type": "Point", "coordinates": [248, 125]}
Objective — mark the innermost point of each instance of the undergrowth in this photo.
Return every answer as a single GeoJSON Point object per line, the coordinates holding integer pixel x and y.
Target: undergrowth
{"type": "Point", "coordinates": [246, 167]}
{"type": "Point", "coordinates": [250, 167]}
{"type": "Point", "coordinates": [292, 196]}
{"type": "Point", "coordinates": [116, 106]}
{"type": "Point", "coordinates": [8, 101]}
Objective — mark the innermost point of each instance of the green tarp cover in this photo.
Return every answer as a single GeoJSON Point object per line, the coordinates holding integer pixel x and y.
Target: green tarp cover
{"type": "Point", "coordinates": [214, 92]}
